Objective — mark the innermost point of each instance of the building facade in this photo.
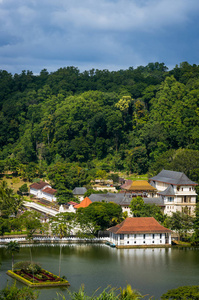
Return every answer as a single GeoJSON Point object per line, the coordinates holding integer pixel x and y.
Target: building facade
{"type": "Point", "coordinates": [176, 190]}
{"type": "Point", "coordinates": [43, 190]}
{"type": "Point", "coordinates": [134, 232]}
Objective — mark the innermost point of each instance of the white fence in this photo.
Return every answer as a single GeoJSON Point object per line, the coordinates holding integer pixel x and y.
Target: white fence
{"type": "Point", "coordinates": [41, 208]}
{"type": "Point", "coordinates": [52, 239]}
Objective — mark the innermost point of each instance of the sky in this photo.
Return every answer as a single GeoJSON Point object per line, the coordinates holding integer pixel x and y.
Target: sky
{"type": "Point", "coordinates": [99, 34]}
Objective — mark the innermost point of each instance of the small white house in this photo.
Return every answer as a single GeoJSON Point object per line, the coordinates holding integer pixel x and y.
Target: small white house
{"type": "Point", "coordinates": [49, 194]}
{"type": "Point", "coordinates": [142, 232]}
{"type": "Point", "coordinates": [43, 190]}
{"type": "Point", "coordinates": [79, 192]}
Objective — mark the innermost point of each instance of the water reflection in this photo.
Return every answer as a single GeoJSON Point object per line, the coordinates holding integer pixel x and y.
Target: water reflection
{"type": "Point", "coordinates": [151, 271]}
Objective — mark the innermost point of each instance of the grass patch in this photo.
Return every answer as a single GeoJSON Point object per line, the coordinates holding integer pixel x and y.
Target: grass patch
{"type": "Point", "coordinates": [135, 177]}
{"type": "Point", "coordinates": [16, 233]}
{"type": "Point", "coordinates": [15, 182]}
{"type": "Point", "coordinates": [181, 244]}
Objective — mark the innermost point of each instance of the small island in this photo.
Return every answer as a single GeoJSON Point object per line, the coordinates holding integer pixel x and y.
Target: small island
{"type": "Point", "coordinates": [33, 275]}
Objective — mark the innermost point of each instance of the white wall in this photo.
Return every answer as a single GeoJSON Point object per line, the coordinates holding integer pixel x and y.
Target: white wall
{"type": "Point", "coordinates": [140, 239]}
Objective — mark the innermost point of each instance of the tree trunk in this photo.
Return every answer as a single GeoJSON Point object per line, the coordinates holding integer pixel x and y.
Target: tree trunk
{"type": "Point", "coordinates": [12, 261]}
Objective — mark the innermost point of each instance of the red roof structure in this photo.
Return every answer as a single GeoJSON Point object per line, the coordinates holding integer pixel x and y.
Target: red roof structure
{"type": "Point", "coordinates": [126, 184]}
{"type": "Point", "coordinates": [138, 225]}
{"type": "Point", "coordinates": [72, 203]}
{"type": "Point", "coordinates": [86, 202]}
{"type": "Point", "coordinates": [50, 191]}
{"type": "Point", "coordinates": [39, 185]}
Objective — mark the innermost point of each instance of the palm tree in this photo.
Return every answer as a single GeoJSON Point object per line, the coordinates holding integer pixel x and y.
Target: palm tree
{"type": "Point", "coordinates": [13, 247]}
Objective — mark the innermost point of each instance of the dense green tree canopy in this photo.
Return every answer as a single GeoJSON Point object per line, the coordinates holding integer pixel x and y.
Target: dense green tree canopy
{"type": "Point", "coordinates": [129, 120]}
{"type": "Point", "coordinates": [101, 214]}
{"type": "Point", "coordinates": [10, 203]}
{"type": "Point", "coordinates": [140, 209]}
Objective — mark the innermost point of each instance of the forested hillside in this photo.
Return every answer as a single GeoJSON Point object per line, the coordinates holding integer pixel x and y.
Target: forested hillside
{"type": "Point", "coordinates": [137, 120]}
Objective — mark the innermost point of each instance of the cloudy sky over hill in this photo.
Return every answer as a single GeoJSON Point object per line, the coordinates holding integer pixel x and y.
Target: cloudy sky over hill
{"type": "Point", "coordinates": [105, 34]}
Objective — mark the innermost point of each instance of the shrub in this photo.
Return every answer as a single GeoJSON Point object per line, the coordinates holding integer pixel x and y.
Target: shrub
{"type": "Point", "coordinates": [28, 267]}
{"type": "Point", "coordinates": [182, 293]}
{"type": "Point", "coordinates": [23, 188]}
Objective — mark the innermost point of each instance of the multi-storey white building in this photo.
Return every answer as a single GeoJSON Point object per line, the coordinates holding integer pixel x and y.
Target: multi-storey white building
{"type": "Point", "coordinates": [176, 190]}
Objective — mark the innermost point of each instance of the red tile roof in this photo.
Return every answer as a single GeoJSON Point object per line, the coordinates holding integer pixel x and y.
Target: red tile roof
{"type": "Point", "coordinates": [86, 202]}
{"type": "Point", "coordinates": [72, 203]}
{"type": "Point", "coordinates": [50, 191]}
{"type": "Point", "coordinates": [126, 184]}
{"type": "Point", "coordinates": [139, 225]}
{"type": "Point", "coordinates": [39, 185]}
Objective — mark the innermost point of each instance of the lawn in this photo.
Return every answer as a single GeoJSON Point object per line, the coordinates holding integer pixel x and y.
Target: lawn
{"type": "Point", "coordinates": [14, 182]}
{"type": "Point", "coordinates": [135, 177]}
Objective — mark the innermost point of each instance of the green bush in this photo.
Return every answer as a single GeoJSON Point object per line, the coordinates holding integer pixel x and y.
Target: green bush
{"type": "Point", "coordinates": [182, 293]}
{"type": "Point", "coordinates": [28, 267]}
{"type": "Point", "coordinates": [23, 188]}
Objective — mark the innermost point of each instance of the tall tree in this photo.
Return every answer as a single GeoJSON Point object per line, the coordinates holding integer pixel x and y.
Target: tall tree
{"type": "Point", "coordinates": [13, 247]}
{"type": "Point", "coordinates": [10, 203]}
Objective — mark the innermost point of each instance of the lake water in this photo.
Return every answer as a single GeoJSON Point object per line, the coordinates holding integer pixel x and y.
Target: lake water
{"type": "Point", "coordinates": [150, 271]}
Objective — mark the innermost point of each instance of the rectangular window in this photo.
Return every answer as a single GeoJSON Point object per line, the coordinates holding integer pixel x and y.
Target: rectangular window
{"type": "Point", "coordinates": [134, 236]}
{"type": "Point", "coordinates": [153, 236]}
{"type": "Point", "coordinates": [160, 235]}
{"type": "Point", "coordinates": [144, 235]}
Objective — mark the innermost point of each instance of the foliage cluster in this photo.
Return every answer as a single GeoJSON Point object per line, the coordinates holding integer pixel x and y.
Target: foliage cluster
{"type": "Point", "coordinates": [140, 209]}
{"type": "Point", "coordinates": [28, 266]}
{"type": "Point", "coordinates": [14, 293]}
{"type": "Point", "coordinates": [13, 218]}
{"type": "Point", "coordinates": [97, 216]}
{"type": "Point", "coordinates": [137, 120]}
{"type": "Point", "coordinates": [181, 293]}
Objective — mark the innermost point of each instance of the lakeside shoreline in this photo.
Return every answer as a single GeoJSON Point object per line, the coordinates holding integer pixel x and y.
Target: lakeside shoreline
{"type": "Point", "coordinates": [54, 241]}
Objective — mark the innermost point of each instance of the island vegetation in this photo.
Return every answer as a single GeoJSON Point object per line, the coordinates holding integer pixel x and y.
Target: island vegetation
{"type": "Point", "coordinates": [33, 275]}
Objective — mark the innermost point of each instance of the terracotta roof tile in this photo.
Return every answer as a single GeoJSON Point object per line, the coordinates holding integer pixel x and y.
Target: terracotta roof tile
{"type": "Point", "coordinates": [86, 202]}
{"type": "Point", "coordinates": [49, 191]}
{"type": "Point", "coordinates": [139, 225]}
{"type": "Point", "coordinates": [72, 203]}
{"type": "Point", "coordinates": [126, 184]}
{"type": "Point", "coordinates": [39, 185]}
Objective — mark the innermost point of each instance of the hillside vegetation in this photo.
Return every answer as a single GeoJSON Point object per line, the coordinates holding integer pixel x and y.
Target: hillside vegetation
{"type": "Point", "coordinates": [71, 124]}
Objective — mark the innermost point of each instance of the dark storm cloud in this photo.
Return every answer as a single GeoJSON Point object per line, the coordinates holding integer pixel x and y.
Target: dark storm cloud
{"type": "Point", "coordinates": [102, 34]}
